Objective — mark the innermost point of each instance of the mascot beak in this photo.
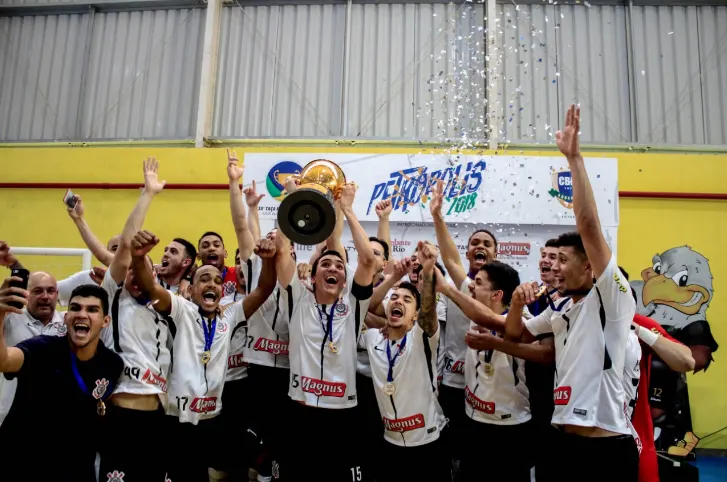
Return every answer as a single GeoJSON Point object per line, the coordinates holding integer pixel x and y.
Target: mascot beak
{"type": "Point", "coordinates": [664, 291]}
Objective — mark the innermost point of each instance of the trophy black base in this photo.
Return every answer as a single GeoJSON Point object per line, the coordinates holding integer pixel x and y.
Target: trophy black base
{"type": "Point", "coordinates": [307, 216]}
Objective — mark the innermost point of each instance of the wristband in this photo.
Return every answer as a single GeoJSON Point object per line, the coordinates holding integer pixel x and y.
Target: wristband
{"type": "Point", "coordinates": [647, 336]}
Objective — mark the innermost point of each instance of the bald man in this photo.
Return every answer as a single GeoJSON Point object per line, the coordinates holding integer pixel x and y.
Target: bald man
{"type": "Point", "coordinates": [38, 318]}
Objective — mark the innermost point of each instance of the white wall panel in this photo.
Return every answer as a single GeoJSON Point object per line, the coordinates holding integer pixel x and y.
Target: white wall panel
{"type": "Point", "coordinates": [143, 75]}
{"type": "Point", "coordinates": [713, 61]}
{"type": "Point", "coordinates": [41, 60]}
{"type": "Point", "coordinates": [280, 71]}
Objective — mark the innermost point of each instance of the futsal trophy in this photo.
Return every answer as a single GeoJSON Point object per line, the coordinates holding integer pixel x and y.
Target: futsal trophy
{"type": "Point", "coordinates": [307, 215]}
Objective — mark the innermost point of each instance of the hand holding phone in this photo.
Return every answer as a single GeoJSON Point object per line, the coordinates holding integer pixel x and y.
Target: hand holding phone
{"type": "Point", "coordinates": [19, 279]}
{"type": "Point", "coordinates": [70, 199]}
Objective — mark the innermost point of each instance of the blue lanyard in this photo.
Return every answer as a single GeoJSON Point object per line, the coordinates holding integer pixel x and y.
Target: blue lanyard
{"type": "Point", "coordinates": [489, 353]}
{"type": "Point", "coordinates": [392, 361]}
{"type": "Point", "coordinates": [328, 329]}
{"type": "Point", "coordinates": [82, 384]}
{"type": "Point", "coordinates": [209, 332]}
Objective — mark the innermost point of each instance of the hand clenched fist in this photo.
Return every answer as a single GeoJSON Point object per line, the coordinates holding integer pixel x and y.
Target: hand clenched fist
{"type": "Point", "coordinates": [525, 294]}
{"type": "Point", "coordinates": [265, 248]}
{"type": "Point", "coordinates": [143, 242]}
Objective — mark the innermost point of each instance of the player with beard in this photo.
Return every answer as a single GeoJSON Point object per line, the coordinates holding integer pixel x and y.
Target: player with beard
{"type": "Point", "coordinates": [176, 264]}
{"type": "Point", "coordinates": [201, 345]}
{"type": "Point", "coordinates": [39, 317]}
{"type": "Point", "coordinates": [591, 331]}
{"type": "Point", "coordinates": [403, 366]}
{"type": "Point", "coordinates": [548, 256]}
{"type": "Point", "coordinates": [481, 249]}
{"type": "Point", "coordinates": [324, 328]}
{"type": "Point", "coordinates": [211, 252]}
{"type": "Point", "coordinates": [74, 374]}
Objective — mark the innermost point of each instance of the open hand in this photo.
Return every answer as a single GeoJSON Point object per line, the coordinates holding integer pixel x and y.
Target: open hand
{"type": "Point", "coordinates": [142, 243]}
{"type": "Point", "coordinates": [435, 205]}
{"type": "Point", "coordinates": [400, 267]}
{"type": "Point", "coordinates": [252, 198]}
{"type": "Point", "coordinates": [427, 255]}
{"type": "Point", "coordinates": [234, 167]}
{"type": "Point", "coordinates": [348, 194]}
{"type": "Point", "coordinates": [152, 184]}
{"type": "Point", "coordinates": [568, 139]}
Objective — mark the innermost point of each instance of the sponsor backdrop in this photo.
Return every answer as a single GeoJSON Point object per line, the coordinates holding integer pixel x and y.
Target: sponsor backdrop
{"type": "Point", "coordinates": [646, 227]}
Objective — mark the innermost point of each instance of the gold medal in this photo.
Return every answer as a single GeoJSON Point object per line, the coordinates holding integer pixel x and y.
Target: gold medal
{"type": "Point", "coordinates": [333, 347]}
{"type": "Point", "coordinates": [101, 408]}
{"type": "Point", "coordinates": [206, 355]}
{"type": "Point", "coordinates": [389, 388]}
{"type": "Point", "coordinates": [489, 369]}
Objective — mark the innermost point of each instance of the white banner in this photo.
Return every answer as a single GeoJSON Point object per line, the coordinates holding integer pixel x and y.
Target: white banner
{"type": "Point", "coordinates": [478, 189]}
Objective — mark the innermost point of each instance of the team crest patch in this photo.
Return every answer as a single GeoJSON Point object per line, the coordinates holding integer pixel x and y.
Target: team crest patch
{"type": "Point", "coordinates": [276, 470]}
{"type": "Point", "coordinates": [563, 188]}
{"type": "Point", "coordinates": [222, 327]}
{"type": "Point", "coordinates": [98, 393]}
{"type": "Point", "coordinates": [62, 330]}
{"type": "Point", "coordinates": [342, 310]}
{"type": "Point", "coordinates": [115, 476]}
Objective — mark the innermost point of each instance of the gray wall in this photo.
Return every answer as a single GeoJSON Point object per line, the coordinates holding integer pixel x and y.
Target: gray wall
{"type": "Point", "coordinates": [412, 71]}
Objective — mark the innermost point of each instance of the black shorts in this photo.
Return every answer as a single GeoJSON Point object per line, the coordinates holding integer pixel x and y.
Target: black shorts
{"type": "Point", "coordinates": [506, 446]}
{"type": "Point", "coordinates": [326, 449]}
{"type": "Point", "coordinates": [424, 463]}
{"type": "Point", "coordinates": [612, 458]}
{"type": "Point", "coordinates": [120, 448]}
{"type": "Point", "coordinates": [370, 427]}
{"type": "Point", "coordinates": [452, 402]}
{"type": "Point", "coordinates": [193, 449]}
{"type": "Point", "coordinates": [232, 424]}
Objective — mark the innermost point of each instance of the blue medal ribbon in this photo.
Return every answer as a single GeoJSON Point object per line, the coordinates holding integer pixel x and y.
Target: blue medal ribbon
{"type": "Point", "coordinates": [392, 361]}
{"type": "Point", "coordinates": [209, 332]}
{"type": "Point", "coordinates": [82, 384]}
{"type": "Point", "coordinates": [489, 353]}
{"type": "Point", "coordinates": [328, 329]}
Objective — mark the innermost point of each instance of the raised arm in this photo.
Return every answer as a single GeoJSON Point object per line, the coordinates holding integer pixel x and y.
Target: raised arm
{"type": "Point", "coordinates": [252, 198]}
{"type": "Point", "coordinates": [141, 244]}
{"type": "Point", "coordinates": [584, 203]}
{"type": "Point", "coordinates": [447, 247]}
{"type": "Point", "coordinates": [11, 358]}
{"type": "Point", "coordinates": [266, 250]}
{"type": "Point", "coordinates": [482, 339]}
{"type": "Point", "coordinates": [427, 317]}
{"type": "Point", "coordinates": [335, 240]}
{"type": "Point", "coordinates": [523, 295]}
{"type": "Point", "coordinates": [473, 309]}
{"type": "Point", "coordinates": [7, 258]}
{"type": "Point", "coordinates": [365, 269]}
{"type": "Point", "coordinates": [152, 186]}
{"type": "Point", "coordinates": [678, 357]}
{"type": "Point", "coordinates": [245, 241]}
{"type": "Point", "coordinates": [89, 239]}
{"type": "Point", "coordinates": [383, 210]}
{"type": "Point", "coordinates": [400, 268]}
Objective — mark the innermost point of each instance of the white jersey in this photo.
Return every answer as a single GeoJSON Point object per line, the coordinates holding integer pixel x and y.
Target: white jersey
{"type": "Point", "coordinates": [18, 328]}
{"type": "Point", "coordinates": [195, 388]}
{"type": "Point", "coordinates": [318, 376]}
{"type": "Point", "coordinates": [412, 416]}
{"type": "Point", "coordinates": [455, 349]}
{"type": "Point", "coordinates": [174, 289]}
{"type": "Point", "coordinates": [139, 335]}
{"type": "Point", "coordinates": [66, 286]}
{"type": "Point", "coordinates": [267, 334]}
{"type": "Point", "coordinates": [501, 398]}
{"type": "Point", "coordinates": [632, 372]}
{"type": "Point", "coordinates": [590, 366]}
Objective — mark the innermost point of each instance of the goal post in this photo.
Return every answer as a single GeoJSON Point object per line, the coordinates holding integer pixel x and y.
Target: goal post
{"type": "Point", "coordinates": [54, 260]}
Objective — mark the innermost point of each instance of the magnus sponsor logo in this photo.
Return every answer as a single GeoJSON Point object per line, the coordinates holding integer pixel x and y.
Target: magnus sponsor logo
{"type": "Point", "coordinates": [513, 249]}
{"type": "Point", "coordinates": [477, 404]}
{"type": "Point", "coordinates": [276, 347]}
{"type": "Point", "coordinates": [322, 388]}
{"type": "Point", "coordinates": [404, 424]}
{"type": "Point", "coordinates": [152, 378]}
{"type": "Point", "coordinates": [413, 187]}
{"type": "Point", "coordinates": [561, 395]}
{"type": "Point", "coordinates": [204, 405]}
{"type": "Point", "coordinates": [235, 361]}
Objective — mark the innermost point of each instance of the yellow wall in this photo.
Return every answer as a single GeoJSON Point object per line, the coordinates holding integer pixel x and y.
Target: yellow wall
{"type": "Point", "coordinates": [648, 226]}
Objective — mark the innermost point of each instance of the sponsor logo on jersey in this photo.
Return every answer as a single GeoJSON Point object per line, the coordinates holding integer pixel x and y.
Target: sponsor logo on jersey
{"type": "Point", "coordinates": [562, 188]}
{"type": "Point", "coordinates": [235, 361]}
{"type": "Point", "coordinates": [512, 250]}
{"type": "Point", "coordinates": [453, 366]}
{"type": "Point", "coordinates": [618, 281]}
{"type": "Point", "coordinates": [561, 395]}
{"type": "Point", "coordinates": [115, 476]}
{"type": "Point", "coordinates": [580, 411]}
{"type": "Point", "coordinates": [477, 404]}
{"type": "Point", "coordinates": [222, 327]}
{"type": "Point", "coordinates": [278, 175]}
{"type": "Point", "coordinates": [322, 388]}
{"type": "Point", "coordinates": [276, 347]}
{"type": "Point", "coordinates": [152, 378]}
{"type": "Point", "coordinates": [404, 424]}
{"type": "Point", "coordinates": [204, 405]}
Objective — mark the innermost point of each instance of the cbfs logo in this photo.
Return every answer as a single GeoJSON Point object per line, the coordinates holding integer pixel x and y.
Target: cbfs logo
{"type": "Point", "coordinates": [562, 188]}
{"type": "Point", "coordinates": [278, 175]}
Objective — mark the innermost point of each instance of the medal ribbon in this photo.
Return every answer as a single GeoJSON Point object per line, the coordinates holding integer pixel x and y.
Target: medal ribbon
{"type": "Point", "coordinates": [392, 361]}
{"type": "Point", "coordinates": [209, 332]}
{"type": "Point", "coordinates": [328, 329]}
{"type": "Point", "coordinates": [82, 384]}
{"type": "Point", "coordinates": [489, 353]}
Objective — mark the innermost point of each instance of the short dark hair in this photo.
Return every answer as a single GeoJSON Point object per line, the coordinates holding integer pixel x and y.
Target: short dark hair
{"type": "Point", "coordinates": [344, 257]}
{"type": "Point", "coordinates": [188, 247]}
{"type": "Point", "coordinates": [413, 290]}
{"type": "Point", "coordinates": [503, 277]}
{"type": "Point", "coordinates": [92, 291]}
{"type": "Point", "coordinates": [571, 240]}
{"type": "Point", "coordinates": [325, 253]}
{"type": "Point", "coordinates": [210, 233]}
{"type": "Point", "coordinates": [486, 231]}
{"type": "Point", "coordinates": [436, 264]}
{"type": "Point", "coordinates": [551, 243]}
{"type": "Point", "coordinates": [383, 244]}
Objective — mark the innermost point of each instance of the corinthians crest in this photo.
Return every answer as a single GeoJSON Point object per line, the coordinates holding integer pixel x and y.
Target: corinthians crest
{"type": "Point", "coordinates": [562, 189]}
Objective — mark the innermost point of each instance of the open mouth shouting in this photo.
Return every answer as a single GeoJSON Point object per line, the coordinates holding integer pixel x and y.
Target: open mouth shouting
{"type": "Point", "coordinates": [545, 268]}
{"type": "Point", "coordinates": [81, 329]}
{"type": "Point", "coordinates": [210, 296]}
{"type": "Point", "coordinates": [331, 280]}
{"type": "Point", "coordinates": [212, 258]}
{"type": "Point", "coordinates": [480, 257]}
{"type": "Point", "coordinates": [397, 312]}
{"type": "Point", "coordinates": [165, 263]}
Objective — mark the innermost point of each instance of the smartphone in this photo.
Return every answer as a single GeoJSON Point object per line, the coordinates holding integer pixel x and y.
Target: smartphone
{"type": "Point", "coordinates": [23, 274]}
{"type": "Point", "coordinates": [70, 199]}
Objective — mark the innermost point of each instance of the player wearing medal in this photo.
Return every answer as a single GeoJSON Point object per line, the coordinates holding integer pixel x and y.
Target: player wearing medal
{"type": "Point", "coordinates": [139, 335]}
{"type": "Point", "coordinates": [591, 332]}
{"type": "Point", "coordinates": [201, 345]}
{"type": "Point", "coordinates": [404, 372]}
{"type": "Point", "coordinates": [324, 329]}
{"type": "Point", "coordinates": [74, 374]}
{"type": "Point", "coordinates": [481, 249]}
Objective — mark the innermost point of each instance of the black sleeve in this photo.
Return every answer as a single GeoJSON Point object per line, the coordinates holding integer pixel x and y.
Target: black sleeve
{"type": "Point", "coordinates": [36, 352]}
{"type": "Point", "coordinates": [362, 292]}
{"type": "Point", "coordinates": [696, 333]}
